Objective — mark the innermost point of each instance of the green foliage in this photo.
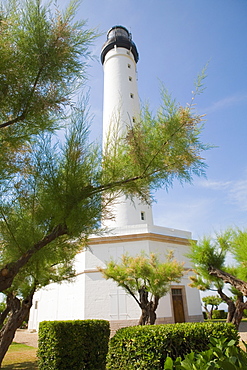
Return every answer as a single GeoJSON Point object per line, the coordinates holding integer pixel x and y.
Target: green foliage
{"type": "Point", "coordinates": [146, 279]}
{"type": "Point", "coordinates": [207, 252]}
{"type": "Point", "coordinates": [50, 190]}
{"type": "Point", "coordinates": [73, 345]}
{"type": "Point", "coordinates": [219, 314]}
{"type": "Point", "coordinates": [212, 271]}
{"type": "Point", "coordinates": [43, 52]}
{"type": "Point", "coordinates": [2, 306]}
{"type": "Point", "coordinates": [158, 149]}
{"type": "Point", "coordinates": [222, 354]}
{"type": "Point", "coordinates": [212, 300]}
{"type": "Point", "coordinates": [147, 347]}
{"type": "Point", "coordinates": [134, 272]}
{"type": "Point", "coordinates": [210, 252]}
{"type": "Point", "coordinates": [43, 60]}
{"type": "Point", "coordinates": [43, 64]}
{"type": "Point", "coordinates": [239, 251]}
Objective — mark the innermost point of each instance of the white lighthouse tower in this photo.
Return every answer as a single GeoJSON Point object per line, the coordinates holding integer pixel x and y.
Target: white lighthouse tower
{"type": "Point", "coordinates": [131, 230]}
{"type": "Point", "coordinates": [119, 57]}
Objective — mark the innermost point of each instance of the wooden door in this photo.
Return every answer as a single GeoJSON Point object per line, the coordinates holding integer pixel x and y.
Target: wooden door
{"type": "Point", "coordinates": [178, 307]}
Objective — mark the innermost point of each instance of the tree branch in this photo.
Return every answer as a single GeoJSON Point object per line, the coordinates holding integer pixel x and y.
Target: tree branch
{"type": "Point", "coordinates": [230, 279]}
{"type": "Point", "coordinates": [112, 185]}
{"type": "Point", "coordinates": [8, 272]}
{"type": "Point", "coordinates": [225, 298]}
{"type": "Point", "coordinates": [132, 294]}
{"type": "Point", "coordinates": [12, 121]}
{"type": "Point", "coordinates": [23, 115]}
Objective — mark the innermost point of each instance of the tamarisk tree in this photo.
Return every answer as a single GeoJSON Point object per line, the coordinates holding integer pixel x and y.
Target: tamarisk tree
{"type": "Point", "coordinates": [146, 279]}
{"type": "Point", "coordinates": [213, 301]}
{"type": "Point", "coordinates": [209, 257]}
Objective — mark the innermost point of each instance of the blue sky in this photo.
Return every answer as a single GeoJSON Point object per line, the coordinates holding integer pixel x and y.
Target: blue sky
{"type": "Point", "coordinates": [175, 39]}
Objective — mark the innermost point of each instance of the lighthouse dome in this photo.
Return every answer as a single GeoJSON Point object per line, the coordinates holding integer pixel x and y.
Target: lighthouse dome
{"type": "Point", "coordinates": [119, 36]}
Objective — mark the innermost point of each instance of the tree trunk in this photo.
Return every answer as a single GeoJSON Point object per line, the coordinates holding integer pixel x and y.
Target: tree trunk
{"type": "Point", "coordinates": [230, 279]}
{"type": "Point", "coordinates": [144, 304]}
{"type": "Point", "coordinates": [152, 310]}
{"type": "Point", "coordinates": [238, 314]}
{"type": "Point", "coordinates": [207, 312]}
{"type": "Point", "coordinates": [148, 316]}
{"type": "Point", "coordinates": [19, 312]}
{"type": "Point", "coordinates": [152, 314]}
{"type": "Point", "coordinates": [210, 313]}
{"type": "Point", "coordinates": [231, 305]}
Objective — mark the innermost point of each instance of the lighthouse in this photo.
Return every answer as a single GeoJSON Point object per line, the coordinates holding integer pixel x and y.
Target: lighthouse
{"type": "Point", "coordinates": [131, 231]}
{"type": "Point", "coordinates": [121, 110]}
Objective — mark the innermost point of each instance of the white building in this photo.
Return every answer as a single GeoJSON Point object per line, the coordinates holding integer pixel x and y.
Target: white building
{"type": "Point", "coordinates": [132, 229]}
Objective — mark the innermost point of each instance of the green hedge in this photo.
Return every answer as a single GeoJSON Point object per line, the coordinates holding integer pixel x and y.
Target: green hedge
{"type": "Point", "coordinates": [146, 347]}
{"type": "Point", "coordinates": [219, 314]}
{"type": "Point", "coordinates": [73, 345]}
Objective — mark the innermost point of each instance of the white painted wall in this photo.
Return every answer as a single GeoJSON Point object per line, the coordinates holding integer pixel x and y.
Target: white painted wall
{"type": "Point", "coordinates": [164, 308]}
{"type": "Point", "coordinates": [193, 298]}
{"type": "Point", "coordinates": [93, 297]}
{"type": "Point", "coordinates": [58, 302]}
{"type": "Point", "coordinates": [119, 107]}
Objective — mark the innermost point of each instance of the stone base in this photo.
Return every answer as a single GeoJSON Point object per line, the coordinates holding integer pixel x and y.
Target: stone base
{"type": "Point", "coordinates": [118, 324]}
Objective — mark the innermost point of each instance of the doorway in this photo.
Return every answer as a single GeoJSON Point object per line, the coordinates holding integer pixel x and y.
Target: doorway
{"type": "Point", "coordinates": [178, 306]}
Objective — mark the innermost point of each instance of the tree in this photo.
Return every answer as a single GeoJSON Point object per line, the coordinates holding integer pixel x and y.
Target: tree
{"type": "Point", "coordinates": [172, 150]}
{"type": "Point", "coordinates": [146, 279]}
{"type": "Point", "coordinates": [51, 265]}
{"type": "Point", "coordinates": [212, 301]}
{"type": "Point", "coordinates": [209, 257]}
{"type": "Point", "coordinates": [43, 60]}
{"type": "Point", "coordinates": [27, 219]}
{"type": "Point", "coordinates": [52, 196]}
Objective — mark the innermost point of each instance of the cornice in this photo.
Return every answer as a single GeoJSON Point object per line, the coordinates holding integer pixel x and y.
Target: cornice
{"type": "Point", "coordinates": [138, 237]}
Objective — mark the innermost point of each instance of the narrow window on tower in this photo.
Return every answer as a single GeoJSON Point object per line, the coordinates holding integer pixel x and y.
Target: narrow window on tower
{"type": "Point", "coordinates": [129, 66]}
{"type": "Point", "coordinates": [130, 78]}
{"type": "Point", "coordinates": [132, 96]}
{"type": "Point", "coordinates": [133, 119]}
{"type": "Point", "coordinates": [142, 216]}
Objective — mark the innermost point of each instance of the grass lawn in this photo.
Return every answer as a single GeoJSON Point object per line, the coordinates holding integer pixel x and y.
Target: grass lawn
{"type": "Point", "coordinates": [21, 357]}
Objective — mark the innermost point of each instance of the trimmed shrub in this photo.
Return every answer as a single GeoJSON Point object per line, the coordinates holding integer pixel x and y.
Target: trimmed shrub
{"type": "Point", "coordinates": [73, 345]}
{"type": "Point", "coordinates": [146, 347]}
{"type": "Point", "coordinates": [219, 314]}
